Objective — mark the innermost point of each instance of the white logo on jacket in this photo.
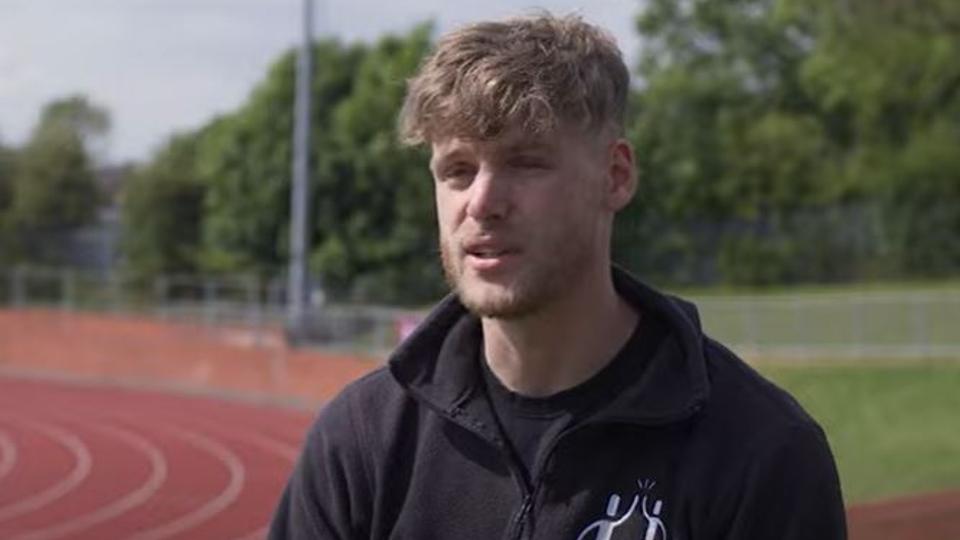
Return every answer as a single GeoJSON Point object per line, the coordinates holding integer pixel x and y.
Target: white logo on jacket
{"type": "Point", "coordinates": [603, 528]}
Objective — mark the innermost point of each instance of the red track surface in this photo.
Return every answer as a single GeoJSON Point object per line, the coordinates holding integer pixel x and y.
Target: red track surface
{"type": "Point", "coordinates": [99, 462]}
{"type": "Point", "coordinates": [94, 462]}
{"type": "Point", "coordinates": [159, 352]}
{"type": "Point", "coordinates": [934, 516]}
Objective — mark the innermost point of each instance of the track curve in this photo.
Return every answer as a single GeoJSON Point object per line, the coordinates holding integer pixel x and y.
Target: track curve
{"type": "Point", "coordinates": [217, 504]}
{"type": "Point", "coordinates": [8, 454]}
{"type": "Point", "coordinates": [89, 462]}
{"type": "Point", "coordinates": [83, 464]}
{"type": "Point", "coordinates": [119, 506]}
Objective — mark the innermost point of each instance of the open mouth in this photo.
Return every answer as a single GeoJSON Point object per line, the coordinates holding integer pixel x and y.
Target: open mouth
{"type": "Point", "coordinates": [489, 258]}
{"type": "Point", "coordinates": [487, 253]}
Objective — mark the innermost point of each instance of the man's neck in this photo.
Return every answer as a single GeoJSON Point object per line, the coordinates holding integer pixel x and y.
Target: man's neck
{"type": "Point", "coordinates": [563, 344]}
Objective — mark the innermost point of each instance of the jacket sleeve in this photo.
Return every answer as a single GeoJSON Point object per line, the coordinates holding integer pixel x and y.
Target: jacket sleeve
{"type": "Point", "coordinates": [327, 496]}
{"type": "Point", "coordinates": [791, 491]}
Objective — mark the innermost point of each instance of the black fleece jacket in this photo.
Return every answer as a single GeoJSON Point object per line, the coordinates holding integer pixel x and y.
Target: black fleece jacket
{"type": "Point", "coordinates": [698, 447]}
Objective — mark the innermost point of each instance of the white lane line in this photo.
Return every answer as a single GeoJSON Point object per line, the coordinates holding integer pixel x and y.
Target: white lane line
{"type": "Point", "coordinates": [287, 452]}
{"type": "Point", "coordinates": [158, 475]}
{"type": "Point", "coordinates": [216, 505]}
{"type": "Point", "coordinates": [8, 454]}
{"type": "Point", "coordinates": [83, 463]}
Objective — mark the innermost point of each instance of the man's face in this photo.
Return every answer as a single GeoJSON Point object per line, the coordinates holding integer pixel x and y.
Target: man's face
{"type": "Point", "coordinates": [521, 218]}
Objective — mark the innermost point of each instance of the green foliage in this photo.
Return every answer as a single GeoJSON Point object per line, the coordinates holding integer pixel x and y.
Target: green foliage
{"type": "Point", "coordinates": [921, 187]}
{"type": "Point", "coordinates": [247, 158]}
{"type": "Point", "coordinates": [371, 205]}
{"type": "Point", "coordinates": [48, 186]}
{"type": "Point", "coordinates": [759, 119]}
{"type": "Point", "coordinates": [7, 157]}
{"type": "Point", "coordinates": [54, 187]}
{"type": "Point", "coordinates": [894, 67]}
{"type": "Point", "coordinates": [755, 260]}
{"type": "Point", "coordinates": [375, 217]}
{"type": "Point", "coordinates": [74, 114]}
{"type": "Point", "coordinates": [893, 64]}
{"type": "Point", "coordinates": [724, 128]}
{"type": "Point", "coordinates": [7, 172]}
{"type": "Point", "coordinates": [162, 212]}
{"type": "Point", "coordinates": [777, 141]}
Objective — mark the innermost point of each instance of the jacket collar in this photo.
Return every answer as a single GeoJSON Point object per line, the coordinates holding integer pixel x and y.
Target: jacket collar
{"type": "Point", "coordinates": [437, 363]}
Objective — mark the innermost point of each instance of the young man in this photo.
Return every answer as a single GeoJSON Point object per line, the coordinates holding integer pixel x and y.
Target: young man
{"type": "Point", "coordinates": [552, 395]}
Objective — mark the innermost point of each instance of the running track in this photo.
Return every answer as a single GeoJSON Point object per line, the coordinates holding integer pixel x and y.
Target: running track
{"type": "Point", "coordinates": [95, 462]}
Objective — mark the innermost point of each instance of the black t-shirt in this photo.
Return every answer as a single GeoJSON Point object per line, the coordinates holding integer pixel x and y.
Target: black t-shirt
{"type": "Point", "coordinates": [528, 422]}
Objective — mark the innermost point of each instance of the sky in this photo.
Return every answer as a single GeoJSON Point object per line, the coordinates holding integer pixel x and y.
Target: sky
{"type": "Point", "coordinates": [162, 66]}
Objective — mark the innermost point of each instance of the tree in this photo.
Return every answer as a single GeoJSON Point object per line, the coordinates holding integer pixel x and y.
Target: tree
{"type": "Point", "coordinates": [721, 81]}
{"type": "Point", "coordinates": [7, 157]}
{"type": "Point", "coordinates": [7, 162]}
{"type": "Point", "coordinates": [891, 67]}
{"type": "Point", "coordinates": [375, 217]}
{"type": "Point", "coordinates": [371, 207]}
{"type": "Point", "coordinates": [759, 120]}
{"type": "Point", "coordinates": [246, 159]}
{"type": "Point", "coordinates": [77, 115]}
{"type": "Point", "coordinates": [728, 139]}
{"type": "Point", "coordinates": [162, 212]}
{"type": "Point", "coordinates": [54, 188]}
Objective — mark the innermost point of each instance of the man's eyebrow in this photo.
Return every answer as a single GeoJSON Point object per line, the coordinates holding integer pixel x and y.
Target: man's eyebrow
{"type": "Point", "coordinates": [528, 146]}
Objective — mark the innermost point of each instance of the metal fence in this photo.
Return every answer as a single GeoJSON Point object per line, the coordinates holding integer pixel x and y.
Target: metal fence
{"type": "Point", "coordinates": [848, 323]}
{"type": "Point", "coordinates": [919, 323]}
{"type": "Point", "coordinates": [252, 309]}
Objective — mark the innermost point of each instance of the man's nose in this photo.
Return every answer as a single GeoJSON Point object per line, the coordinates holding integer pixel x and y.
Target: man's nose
{"type": "Point", "coordinates": [489, 197]}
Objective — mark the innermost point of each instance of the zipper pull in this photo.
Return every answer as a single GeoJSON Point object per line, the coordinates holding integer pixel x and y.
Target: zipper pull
{"type": "Point", "coordinates": [517, 527]}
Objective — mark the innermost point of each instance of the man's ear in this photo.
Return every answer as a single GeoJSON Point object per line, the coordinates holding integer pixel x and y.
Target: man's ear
{"type": "Point", "coordinates": [621, 174]}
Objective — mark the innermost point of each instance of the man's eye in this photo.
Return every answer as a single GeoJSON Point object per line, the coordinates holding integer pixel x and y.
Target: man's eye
{"type": "Point", "coordinates": [458, 174]}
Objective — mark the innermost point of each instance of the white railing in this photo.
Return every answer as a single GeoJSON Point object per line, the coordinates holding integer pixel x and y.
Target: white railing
{"type": "Point", "coordinates": [846, 323]}
{"type": "Point", "coordinates": [251, 310]}
{"type": "Point", "coordinates": [918, 323]}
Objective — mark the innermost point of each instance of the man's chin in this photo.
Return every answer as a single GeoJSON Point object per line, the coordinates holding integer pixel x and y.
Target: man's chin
{"type": "Point", "coordinates": [496, 302]}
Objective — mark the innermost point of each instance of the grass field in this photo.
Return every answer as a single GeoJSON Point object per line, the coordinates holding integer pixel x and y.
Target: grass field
{"type": "Point", "coordinates": [894, 428]}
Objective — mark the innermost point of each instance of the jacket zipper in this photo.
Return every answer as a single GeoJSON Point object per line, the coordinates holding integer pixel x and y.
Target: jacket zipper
{"type": "Point", "coordinates": [515, 528]}
{"type": "Point", "coordinates": [537, 481]}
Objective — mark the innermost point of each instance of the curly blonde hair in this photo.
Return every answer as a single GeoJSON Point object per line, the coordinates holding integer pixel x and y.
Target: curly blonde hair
{"type": "Point", "coordinates": [533, 73]}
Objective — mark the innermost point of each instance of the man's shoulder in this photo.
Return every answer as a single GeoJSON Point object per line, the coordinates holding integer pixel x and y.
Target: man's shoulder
{"type": "Point", "coordinates": [372, 392]}
{"type": "Point", "coordinates": [774, 458]}
{"type": "Point", "coordinates": [748, 406]}
{"type": "Point", "coordinates": [366, 408]}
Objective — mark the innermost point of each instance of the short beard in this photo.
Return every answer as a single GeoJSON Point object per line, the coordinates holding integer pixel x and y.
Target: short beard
{"type": "Point", "coordinates": [524, 298]}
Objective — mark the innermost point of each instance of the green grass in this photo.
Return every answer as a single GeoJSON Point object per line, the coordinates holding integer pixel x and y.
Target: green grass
{"type": "Point", "coordinates": [894, 428]}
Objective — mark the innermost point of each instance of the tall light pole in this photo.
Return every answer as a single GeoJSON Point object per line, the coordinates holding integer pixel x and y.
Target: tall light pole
{"type": "Point", "coordinates": [297, 290]}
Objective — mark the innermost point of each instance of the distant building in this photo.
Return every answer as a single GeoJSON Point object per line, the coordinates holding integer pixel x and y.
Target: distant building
{"type": "Point", "coordinates": [95, 247]}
